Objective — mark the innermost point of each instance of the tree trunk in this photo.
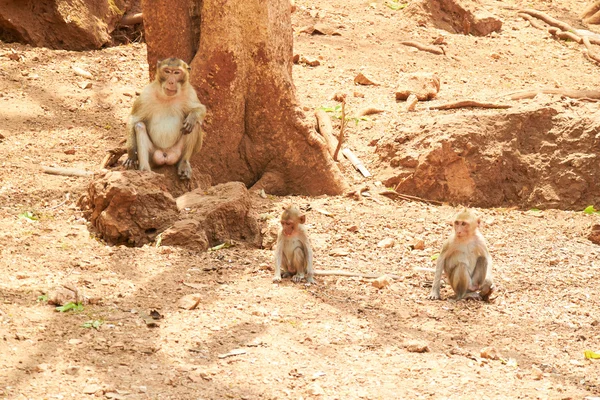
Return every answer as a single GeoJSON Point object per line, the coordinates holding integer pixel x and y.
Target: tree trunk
{"type": "Point", "coordinates": [240, 52]}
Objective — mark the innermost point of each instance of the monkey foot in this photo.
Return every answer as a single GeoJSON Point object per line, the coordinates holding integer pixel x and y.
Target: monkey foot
{"type": "Point", "coordinates": [297, 278]}
{"type": "Point", "coordinates": [184, 170]}
{"type": "Point", "coordinates": [486, 296]}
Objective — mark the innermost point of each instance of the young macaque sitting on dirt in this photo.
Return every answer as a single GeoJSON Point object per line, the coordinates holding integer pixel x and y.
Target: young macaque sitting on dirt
{"type": "Point", "coordinates": [293, 252]}
{"type": "Point", "coordinates": [465, 260]}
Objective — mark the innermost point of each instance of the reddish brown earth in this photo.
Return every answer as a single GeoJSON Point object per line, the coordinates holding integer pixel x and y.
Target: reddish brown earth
{"type": "Point", "coordinates": [340, 339]}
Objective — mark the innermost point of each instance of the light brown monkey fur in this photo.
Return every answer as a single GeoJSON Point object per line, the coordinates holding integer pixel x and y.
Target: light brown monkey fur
{"type": "Point", "coordinates": [164, 127]}
{"type": "Point", "coordinates": [465, 260]}
{"type": "Point", "coordinates": [293, 252]}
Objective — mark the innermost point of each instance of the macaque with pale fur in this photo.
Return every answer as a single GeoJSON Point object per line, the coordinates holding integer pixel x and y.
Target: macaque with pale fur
{"type": "Point", "coordinates": [293, 252]}
{"type": "Point", "coordinates": [465, 260]}
{"type": "Point", "coordinates": [164, 127]}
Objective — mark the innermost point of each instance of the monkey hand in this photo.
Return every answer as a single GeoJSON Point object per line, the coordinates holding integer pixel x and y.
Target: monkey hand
{"type": "Point", "coordinates": [189, 123]}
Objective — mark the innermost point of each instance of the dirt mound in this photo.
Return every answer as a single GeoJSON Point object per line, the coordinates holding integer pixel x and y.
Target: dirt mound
{"type": "Point", "coordinates": [530, 157]}
{"type": "Point", "coordinates": [60, 24]}
{"type": "Point", "coordinates": [454, 16]}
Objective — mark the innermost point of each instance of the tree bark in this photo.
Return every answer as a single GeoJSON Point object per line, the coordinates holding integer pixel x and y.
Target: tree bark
{"type": "Point", "coordinates": [240, 52]}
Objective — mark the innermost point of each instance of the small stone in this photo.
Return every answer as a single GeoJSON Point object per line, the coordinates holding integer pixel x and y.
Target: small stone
{"type": "Point", "coordinates": [386, 243]}
{"type": "Point", "coordinates": [490, 353]}
{"type": "Point", "coordinates": [416, 346]}
{"type": "Point", "coordinates": [92, 389]}
{"type": "Point", "coordinates": [382, 282]}
{"type": "Point", "coordinates": [362, 79]}
{"type": "Point", "coordinates": [72, 370]}
{"type": "Point", "coordinates": [315, 389]}
{"type": "Point", "coordinates": [418, 244]}
{"type": "Point", "coordinates": [411, 102]}
{"type": "Point", "coordinates": [337, 252]}
{"type": "Point", "coordinates": [358, 94]}
{"type": "Point", "coordinates": [536, 373]}
{"type": "Point", "coordinates": [313, 62]}
{"type": "Point", "coordinates": [353, 229]}
{"type": "Point", "coordinates": [190, 301]}
{"type": "Point", "coordinates": [75, 342]}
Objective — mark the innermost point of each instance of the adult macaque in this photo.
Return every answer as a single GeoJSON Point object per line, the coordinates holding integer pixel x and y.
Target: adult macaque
{"type": "Point", "coordinates": [164, 127]}
{"type": "Point", "coordinates": [465, 260]}
{"type": "Point", "coordinates": [293, 252]}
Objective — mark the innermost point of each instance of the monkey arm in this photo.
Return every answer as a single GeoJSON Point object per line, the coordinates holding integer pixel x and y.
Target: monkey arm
{"type": "Point", "coordinates": [278, 258]}
{"type": "Point", "coordinates": [195, 115]}
{"type": "Point", "coordinates": [309, 261]}
{"type": "Point", "coordinates": [439, 269]}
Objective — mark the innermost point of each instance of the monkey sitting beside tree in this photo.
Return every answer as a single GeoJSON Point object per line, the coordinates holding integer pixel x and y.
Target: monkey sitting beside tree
{"type": "Point", "coordinates": [465, 260]}
{"type": "Point", "coordinates": [164, 127]}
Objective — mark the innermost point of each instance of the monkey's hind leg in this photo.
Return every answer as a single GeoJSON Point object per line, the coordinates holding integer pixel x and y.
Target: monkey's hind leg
{"type": "Point", "coordinates": [299, 264]}
{"type": "Point", "coordinates": [144, 146]}
{"type": "Point", "coordinates": [192, 142]}
{"type": "Point", "coordinates": [480, 280]}
{"type": "Point", "coordinates": [460, 279]}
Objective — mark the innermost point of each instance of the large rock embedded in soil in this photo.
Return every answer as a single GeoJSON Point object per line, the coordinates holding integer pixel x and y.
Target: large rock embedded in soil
{"type": "Point", "coordinates": [534, 156]}
{"type": "Point", "coordinates": [134, 207]}
{"type": "Point", "coordinates": [214, 216]}
{"type": "Point", "coordinates": [61, 24]}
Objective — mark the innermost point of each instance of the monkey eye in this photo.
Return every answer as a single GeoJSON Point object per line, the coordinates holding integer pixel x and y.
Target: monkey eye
{"type": "Point", "coordinates": [177, 72]}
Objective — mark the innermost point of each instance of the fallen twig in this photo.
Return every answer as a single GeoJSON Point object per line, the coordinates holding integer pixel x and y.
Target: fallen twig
{"type": "Point", "coordinates": [394, 193]}
{"type": "Point", "coordinates": [356, 162]}
{"type": "Point", "coordinates": [66, 171]}
{"type": "Point", "coordinates": [424, 47]}
{"type": "Point", "coordinates": [467, 103]}
{"type": "Point", "coordinates": [342, 127]}
{"type": "Point", "coordinates": [532, 21]}
{"type": "Point", "coordinates": [111, 159]}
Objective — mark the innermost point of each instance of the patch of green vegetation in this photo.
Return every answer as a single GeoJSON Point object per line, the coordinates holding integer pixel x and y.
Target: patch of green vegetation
{"type": "Point", "coordinates": [337, 113]}
{"type": "Point", "coordinates": [395, 4]}
{"type": "Point", "coordinates": [590, 210]}
{"type": "Point", "coordinates": [70, 306]}
{"type": "Point", "coordinates": [95, 324]}
{"type": "Point", "coordinates": [42, 298]}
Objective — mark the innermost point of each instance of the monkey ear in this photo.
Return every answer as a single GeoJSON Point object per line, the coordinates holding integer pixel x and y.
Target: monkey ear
{"type": "Point", "coordinates": [478, 222]}
{"type": "Point", "coordinates": [302, 218]}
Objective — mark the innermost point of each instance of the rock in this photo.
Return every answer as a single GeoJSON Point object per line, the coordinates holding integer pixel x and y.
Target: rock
{"type": "Point", "coordinates": [313, 62]}
{"type": "Point", "coordinates": [594, 235]}
{"type": "Point", "coordinates": [223, 212]}
{"type": "Point", "coordinates": [92, 389]}
{"type": "Point", "coordinates": [186, 233]}
{"type": "Point", "coordinates": [490, 353]}
{"type": "Point", "coordinates": [71, 25]}
{"type": "Point", "coordinates": [362, 79]}
{"type": "Point", "coordinates": [72, 370]}
{"type": "Point", "coordinates": [536, 373]}
{"type": "Point", "coordinates": [338, 252]}
{"type": "Point", "coordinates": [75, 342]}
{"type": "Point", "coordinates": [424, 85]}
{"type": "Point", "coordinates": [325, 29]}
{"type": "Point", "coordinates": [381, 282]}
{"type": "Point", "coordinates": [190, 301]}
{"type": "Point", "coordinates": [546, 159]}
{"type": "Point", "coordinates": [314, 389]}
{"type": "Point", "coordinates": [417, 244]}
{"type": "Point", "coordinates": [386, 243]}
{"type": "Point", "coordinates": [65, 293]}
{"type": "Point", "coordinates": [416, 346]}
{"type": "Point", "coordinates": [129, 207]}
{"type": "Point", "coordinates": [81, 72]}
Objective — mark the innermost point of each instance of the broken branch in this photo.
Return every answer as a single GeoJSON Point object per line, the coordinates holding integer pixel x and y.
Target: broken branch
{"type": "Point", "coordinates": [342, 127]}
{"type": "Point", "coordinates": [394, 193]}
{"type": "Point", "coordinates": [66, 171]}
{"type": "Point", "coordinates": [356, 162]}
{"type": "Point", "coordinates": [564, 35]}
{"type": "Point", "coordinates": [111, 159]}
{"type": "Point", "coordinates": [532, 21]}
{"type": "Point", "coordinates": [467, 103]}
{"type": "Point", "coordinates": [574, 94]}
{"type": "Point", "coordinates": [424, 47]}
{"type": "Point", "coordinates": [548, 19]}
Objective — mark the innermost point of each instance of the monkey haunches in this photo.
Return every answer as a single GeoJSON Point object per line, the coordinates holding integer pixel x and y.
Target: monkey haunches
{"type": "Point", "coordinates": [164, 127]}
{"type": "Point", "coordinates": [465, 260]}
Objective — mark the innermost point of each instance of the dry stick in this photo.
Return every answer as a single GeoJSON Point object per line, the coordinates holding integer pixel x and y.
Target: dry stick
{"type": "Point", "coordinates": [132, 19]}
{"type": "Point", "coordinates": [424, 47]}
{"type": "Point", "coordinates": [590, 53]}
{"type": "Point", "coordinates": [342, 127]}
{"type": "Point", "coordinates": [111, 159]}
{"type": "Point", "coordinates": [356, 162]}
{"type": "Point", "coordinates": [548, 19]}
{"type": "Point", "coordinates": [373, 275]}
{"type": "Point", "coordinates": [66, 171]}
{"type": "Point", "coordinates": [564, 35]}
{"type": "Point", "coordinates": [394, 193]}
{"type": "Point", "coordinates": [468, 103]}
{"type": "Point", "coordinates": [325, 128]}
{"type": "Point", "coordinates": [532, 21]}
{"type": "Point", "coordinates": [574, 94]}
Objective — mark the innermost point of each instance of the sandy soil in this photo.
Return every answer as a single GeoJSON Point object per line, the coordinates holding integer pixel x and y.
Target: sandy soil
{"type": "Point", "coordinates": [250, 338]}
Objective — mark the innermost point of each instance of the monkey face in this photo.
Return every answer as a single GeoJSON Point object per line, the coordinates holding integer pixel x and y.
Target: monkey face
{"type": "Point", "coordinates": [463, 229]}
{"type": "Point", "coordinates": [288, 226]}
{"type": "Point", "coordinates": [172, 73]}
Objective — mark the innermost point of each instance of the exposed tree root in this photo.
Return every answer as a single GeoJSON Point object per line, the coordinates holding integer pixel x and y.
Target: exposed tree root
{"type": "Point", "coordinates": [111, 159]}
{"type": "Point", "coordinates": [590, 52]}
{"type": "Point", "coordinates": [532, 21]}
{"type": "Point", "coordinates": [424, 47]}
{"type": "Point", "coordinates": [548, 19]}
{"type": "Point", "coordinates": [468, 103]}
{"type": "Point", "coordinates": [394, 194]}
{"type": "Point", "coordinates": [574, 94]}
{"type": "Point", "coordinates": [564, 35]}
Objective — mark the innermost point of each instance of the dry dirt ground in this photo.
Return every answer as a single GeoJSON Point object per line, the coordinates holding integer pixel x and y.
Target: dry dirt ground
{"type": "Point", "coordinates": [250, 338]}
